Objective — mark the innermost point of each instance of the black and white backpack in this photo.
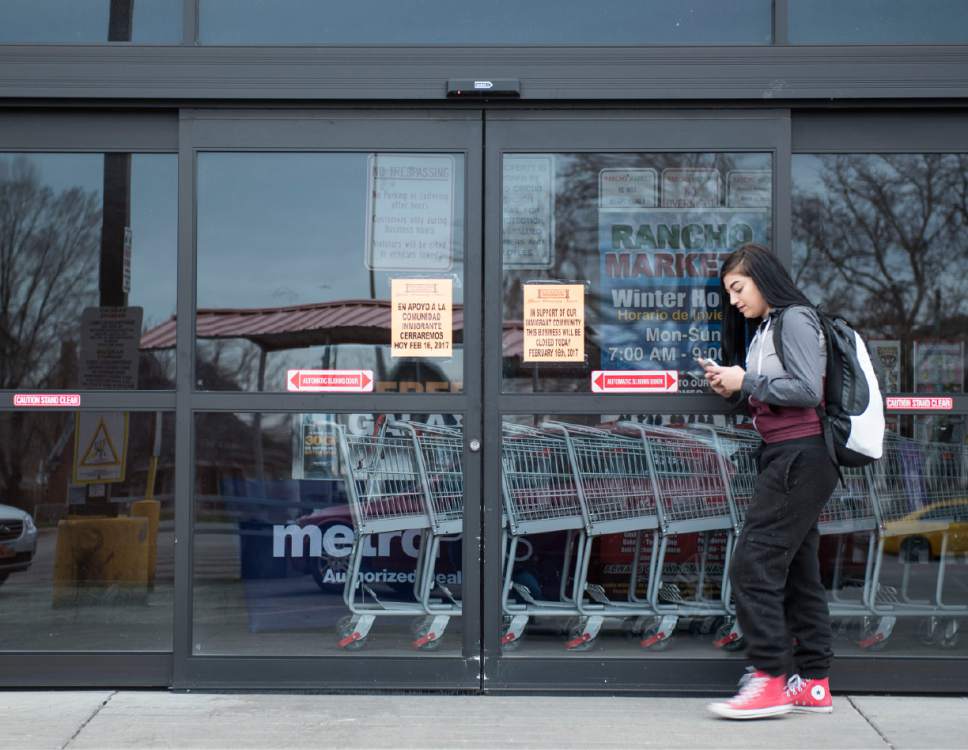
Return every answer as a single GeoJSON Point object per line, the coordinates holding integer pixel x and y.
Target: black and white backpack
{"type": "Point", "coordinates": [853, 410]}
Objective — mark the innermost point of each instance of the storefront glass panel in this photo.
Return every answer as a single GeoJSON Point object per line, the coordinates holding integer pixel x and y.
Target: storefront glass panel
{"type": "Point", "coordinates": [80, 21]}
{"type": "Point", "coordinates": [878, 22]}
{"type": "Point", "coordinates": [501, 22]}
{"type": "Point", "coordinates": [325, 534]}
{"type": "Point", "coordinates": [630, 245]}
{"type": "Point", "coordinates": [87, 270]}
{"type": "Point", "coordinates": [86, 531]}
{"type": "Point", "coordinates": [325, 261]}
{"type": "Point", "coordinates": [882, 239]}
{"type": "Point", "coordinates": [620, 527]}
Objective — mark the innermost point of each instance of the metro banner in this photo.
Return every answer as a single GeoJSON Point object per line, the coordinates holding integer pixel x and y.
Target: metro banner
{"type": "Point", "coordinates": [626, 381]}
{"type": "Point", "coordinates": [329, 381]}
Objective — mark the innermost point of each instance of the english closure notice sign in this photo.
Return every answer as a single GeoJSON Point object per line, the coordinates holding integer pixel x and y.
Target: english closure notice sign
{"type": "Point", "coordinates": [554, 323]}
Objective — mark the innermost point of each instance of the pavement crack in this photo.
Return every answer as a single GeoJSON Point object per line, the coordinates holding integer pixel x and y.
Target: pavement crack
{"type": "Point", "coordinates": [88, 720]}
{"type": "Point", "coordinates": [871, 723]}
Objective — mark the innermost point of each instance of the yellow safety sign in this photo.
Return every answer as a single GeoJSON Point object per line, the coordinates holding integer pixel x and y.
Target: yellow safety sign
{"type": "Point", "coordinates": [100, 447]}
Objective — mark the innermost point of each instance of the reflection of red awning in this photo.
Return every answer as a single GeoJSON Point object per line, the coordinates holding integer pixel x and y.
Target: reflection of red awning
{"type": "Point", "coordinates": [276, 328]}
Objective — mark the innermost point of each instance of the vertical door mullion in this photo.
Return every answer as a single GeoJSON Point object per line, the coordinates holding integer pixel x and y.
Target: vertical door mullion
{"type": "Point", "coordinates": [473, 323]}
{"type": "Point", "coordinates": [184, 432]}
{"type": "Point", "coordinates": [493, 367]}
{"type": "Point", "coordinates": [782, 189]}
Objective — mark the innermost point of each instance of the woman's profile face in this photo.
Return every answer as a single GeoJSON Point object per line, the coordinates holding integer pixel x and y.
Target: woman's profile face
{"type": "Point", "coordinates": [744, 296]}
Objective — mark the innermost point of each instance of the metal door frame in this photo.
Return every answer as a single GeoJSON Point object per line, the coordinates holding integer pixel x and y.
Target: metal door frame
{"type": "Point", "coordinates": [760, 130]}
{"type": "Point", "coordinates": [326, 131]}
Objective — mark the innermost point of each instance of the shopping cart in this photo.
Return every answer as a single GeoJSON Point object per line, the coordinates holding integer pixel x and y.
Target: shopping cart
{"type": "Point", "coordinates": [612, 481]}
{"type": "Point", "coordinates": [390, 490]}
{"type": "Point", "coordinates": [737, 449]}
{"type": "Point", "coordinates": [918, 490]}
{"type": "Point", "coordinates": [693, 497]}
{"type": "Point", "coordinates": [540, 496]}
{"type": "Point", "coordinates": [439, 452]}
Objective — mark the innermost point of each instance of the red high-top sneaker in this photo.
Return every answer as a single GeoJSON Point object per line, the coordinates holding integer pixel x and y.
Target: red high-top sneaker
{"type": "Point", "coordinates": [810, 696]}
{"type": "Point", "coordinates": [759, 696]}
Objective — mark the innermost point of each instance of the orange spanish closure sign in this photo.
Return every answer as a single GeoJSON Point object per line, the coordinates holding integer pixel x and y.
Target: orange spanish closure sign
{"type": "Point", "coordinates": [554, 323]}
{"type": "Point", "coordinates": [422, 318]}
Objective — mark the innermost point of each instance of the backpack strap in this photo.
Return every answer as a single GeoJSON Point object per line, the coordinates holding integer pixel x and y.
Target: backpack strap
{"type": "Point", "coordinates": [828, 436]}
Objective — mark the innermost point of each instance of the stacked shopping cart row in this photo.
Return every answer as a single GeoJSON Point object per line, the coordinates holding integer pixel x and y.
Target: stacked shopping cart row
{"type": "Point", "coordinates": [664, 482]}
{"type": "Point", "coordinates": [630, 478]}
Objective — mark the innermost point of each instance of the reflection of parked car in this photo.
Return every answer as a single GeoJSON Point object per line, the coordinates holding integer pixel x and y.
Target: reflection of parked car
{"type": "Point", "coordinates": [18, 540]}
{"type": "Point", "coordinates": [921, 532]}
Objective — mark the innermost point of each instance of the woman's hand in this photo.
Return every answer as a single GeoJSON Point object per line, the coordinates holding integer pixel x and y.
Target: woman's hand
{"type": "Point", "coordinates": [725, 380]}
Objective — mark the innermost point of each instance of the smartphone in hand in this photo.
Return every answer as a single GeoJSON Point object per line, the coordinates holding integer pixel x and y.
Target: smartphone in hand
{"type": "Point", "coordinates": [704, 363]}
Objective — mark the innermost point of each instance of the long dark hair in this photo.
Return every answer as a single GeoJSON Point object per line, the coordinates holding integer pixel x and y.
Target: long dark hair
{"type": "Point", "coordinates": [773, 282]}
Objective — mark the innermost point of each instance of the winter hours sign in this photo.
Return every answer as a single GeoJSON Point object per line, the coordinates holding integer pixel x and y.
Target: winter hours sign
{"type": "Point", "coordinates": [554, 323]}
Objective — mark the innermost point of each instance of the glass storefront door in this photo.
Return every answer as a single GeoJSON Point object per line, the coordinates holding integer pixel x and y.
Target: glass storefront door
{"type": "Point", "coordinates": [335, 402]}
{"type": "Point", "coordinates": [604, 455]}
{"type": "Point", "coordinates": [415, 401]}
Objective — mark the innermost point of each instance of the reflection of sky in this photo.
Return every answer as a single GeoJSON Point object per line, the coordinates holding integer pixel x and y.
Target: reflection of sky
{"type": "Point", "coordinates": [70, 21]}
{"type": "Point", "coordinates": [154, 218]}
{"type": "Point", "coordinates": [288, 229]}
{"type": "Point", "coordinates": [510, 21]}
{"type": "Point", "coordinates": [878, 21]}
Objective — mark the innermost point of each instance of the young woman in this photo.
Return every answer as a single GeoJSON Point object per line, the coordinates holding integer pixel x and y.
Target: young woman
{"type": "Point", "coordinates": [780, 600]}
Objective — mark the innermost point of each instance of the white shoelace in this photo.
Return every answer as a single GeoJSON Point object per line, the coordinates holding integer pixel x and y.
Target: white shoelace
{"type": "Point", "coordinates": [794, 686]}
{"type": "Point", "coordinates": [750, 686]}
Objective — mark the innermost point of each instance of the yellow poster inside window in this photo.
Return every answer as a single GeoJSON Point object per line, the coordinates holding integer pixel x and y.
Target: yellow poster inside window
{"type": "Point", "coordinates": [422, 317]}
{"type": "Point", "coordinates": [554, 323]}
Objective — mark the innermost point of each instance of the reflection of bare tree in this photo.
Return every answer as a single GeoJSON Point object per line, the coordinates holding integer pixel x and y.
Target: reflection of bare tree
{"type": "Point", "coordinates": [879, 239]}
{"type": "Point", "coordinates": [49, 245]}
{"type": "Point", "coordinates": [48, 267]}
{"type": "Point", "coordinates": [577, 256]}
{"type": "Point", "coordinates": [227, 364]}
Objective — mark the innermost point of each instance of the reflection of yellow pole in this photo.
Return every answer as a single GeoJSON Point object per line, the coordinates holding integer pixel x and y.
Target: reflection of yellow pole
{"type": "Point", "coordinates": [149, 507]}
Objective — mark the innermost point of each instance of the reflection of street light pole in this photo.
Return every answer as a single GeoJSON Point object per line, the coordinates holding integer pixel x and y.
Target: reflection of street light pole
{"type": "Point", "coordinates": [115, 221]}
{"type": "Point", "coordinates": [119, 20]}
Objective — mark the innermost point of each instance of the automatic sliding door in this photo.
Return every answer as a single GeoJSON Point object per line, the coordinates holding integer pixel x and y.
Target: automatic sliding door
{"type": "Point", "coordinates": [334, 393]}
{"type": "Point", "coordinates": [614, 465]}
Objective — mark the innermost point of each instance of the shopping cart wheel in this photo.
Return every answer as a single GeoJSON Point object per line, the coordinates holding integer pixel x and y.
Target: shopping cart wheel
{"type": "Point", "coordinates": [580, 640]}
{"type": "Point", "coordinates": [949, 634]}
{"type": "Point", "coordinates": [430, 645]}
{"type": "Point", "coordinates": [349, 636]}
{"type": "Point", "coordinates": [430, 638]}
{"type": "Point", "coordinates": [872, 636]}
{"type": "Point", "coordinates": [420, 625]}
{"type": "Point", "coordinates": [929, 631]}
{"type": "Point", "coordinates": [656, 643]}
{"type": "Point", "coordinates": [728, 638]}
{"type": "Point", "coordinates": [512, 632]}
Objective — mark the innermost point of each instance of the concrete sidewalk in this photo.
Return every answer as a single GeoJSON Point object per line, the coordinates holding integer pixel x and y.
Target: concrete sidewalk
{"type": "Point", "coordinates": [158, 719]}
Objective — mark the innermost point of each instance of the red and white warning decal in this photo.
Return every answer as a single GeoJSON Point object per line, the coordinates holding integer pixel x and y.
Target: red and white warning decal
{"type": "Point", "coordinates": [635, 381]}
{"type": "Point", "coordinates": [47, 399]}
{"type": "Point", "coordinates": [917, 403]}
{"type": "Point", "coordinates": [329, 381]}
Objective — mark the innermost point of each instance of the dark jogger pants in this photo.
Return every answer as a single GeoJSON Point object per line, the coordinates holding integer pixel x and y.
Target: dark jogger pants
{"type": "Point", "coordinates": [775, 572]}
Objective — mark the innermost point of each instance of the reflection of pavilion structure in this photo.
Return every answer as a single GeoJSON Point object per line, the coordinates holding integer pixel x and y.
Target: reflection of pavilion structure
{"type": "Point", "coordinates": [271, 329]}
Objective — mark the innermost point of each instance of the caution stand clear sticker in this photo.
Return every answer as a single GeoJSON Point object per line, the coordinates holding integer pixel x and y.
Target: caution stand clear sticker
{"type": "Point", "coordinates": [554, 323]}
{"type": "Point", "coordinates": [422, 318]}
